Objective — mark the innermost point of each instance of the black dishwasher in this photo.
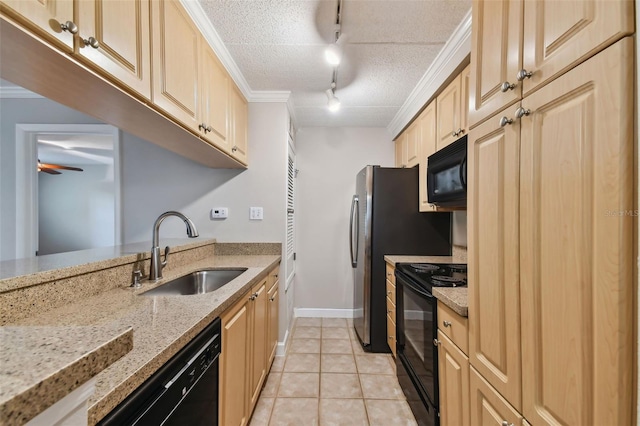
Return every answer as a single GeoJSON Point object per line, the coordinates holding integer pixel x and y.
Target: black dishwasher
{"type": "Point", "coordinates": [184, 391]}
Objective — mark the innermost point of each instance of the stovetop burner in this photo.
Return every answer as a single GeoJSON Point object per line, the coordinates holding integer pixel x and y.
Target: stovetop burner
{"type": "Point", "coordinates": [436, 274]}
{"type": "Point", "coordinates": [442, 281]}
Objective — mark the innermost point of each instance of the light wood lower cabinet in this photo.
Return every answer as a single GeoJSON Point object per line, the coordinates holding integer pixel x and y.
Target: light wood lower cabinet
{"type": "Point", "coordinates": [453, 377]}
{"type": "Point", "coordinates": [249, 338]}
{"type": "Point", "coordinates": [234, 363]}
{"type": "Point", "coordinates": [272, 316]}
{"type": "Point", "coordinates": [488, 407]}
{"type": "Point", "coordinates": [258, 340]}
{"type": "Point", "coordinates": [392, 337]}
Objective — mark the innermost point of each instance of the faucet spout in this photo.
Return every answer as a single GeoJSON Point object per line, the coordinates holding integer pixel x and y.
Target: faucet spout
{"type": "Point", "coordinates": [155, 269]}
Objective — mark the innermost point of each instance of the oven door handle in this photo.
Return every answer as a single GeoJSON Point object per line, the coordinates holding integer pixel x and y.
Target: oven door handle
{"type": "Point", "coordinates": [409, 283]}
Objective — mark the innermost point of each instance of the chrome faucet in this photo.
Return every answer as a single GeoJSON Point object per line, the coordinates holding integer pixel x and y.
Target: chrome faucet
{"type": "Point", "coordinates": [155, 271]}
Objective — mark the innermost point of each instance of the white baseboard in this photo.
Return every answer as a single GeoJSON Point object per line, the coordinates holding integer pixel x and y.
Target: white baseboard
{"type": "Point", "coordinates": [282, 346]}
{"type": "Point", "coordinates": [320, 313]}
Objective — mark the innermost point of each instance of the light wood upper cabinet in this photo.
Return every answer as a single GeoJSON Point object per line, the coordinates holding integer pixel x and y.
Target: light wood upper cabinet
{"type": "Point", "coordinates": [413, 144]}
{"type": "Point", "coordinates": [577, 244]}
{"type": "Point", "coordinates": [496, 42]}
{"type": "Point", "coordinates": [214, 99]}
{"type": "Point", "coordinates": [176, 46]}
{"type": "Point", "coordinates": [239, 123]}
{"type": "Point", "coordinates": [401, 158]}
{"type": "Point", "coordinates": [494, 278]}
{"type": "Point", "coordinates": [453, 378]}
{"type": "Point", "coordinates": [234, 365]}
{"type": "Point", "coordinates": [122, 30]}
{"type": "Point", "coordinates": [561, 34]}
{"type": "Point", "coordinates": [449, 118]}
{"type": "Point", "coordinates": [488, 407]}
{"type": "Point", "coordinates": [465, 77]}
{"type": "Point", "coordinates": [428, 123]}
{"type": "Point", "coordinates": [45, 17]}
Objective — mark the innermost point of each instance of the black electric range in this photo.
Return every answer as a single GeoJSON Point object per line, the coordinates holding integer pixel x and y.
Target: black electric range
{"type": "Point", "coordinates": [416, 331]}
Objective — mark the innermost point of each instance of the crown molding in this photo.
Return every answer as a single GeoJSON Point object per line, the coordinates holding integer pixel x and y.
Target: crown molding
{"type": "Point", "coordinates": [199, 16]}
{"type": "Point", "coordinates": [454, 52]}
{"type": "Point", "coordinates": [16, 92]}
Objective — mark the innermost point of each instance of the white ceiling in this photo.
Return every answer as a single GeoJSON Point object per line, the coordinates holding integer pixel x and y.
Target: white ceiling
{"type": "Point", "coordinates": [278, 45]}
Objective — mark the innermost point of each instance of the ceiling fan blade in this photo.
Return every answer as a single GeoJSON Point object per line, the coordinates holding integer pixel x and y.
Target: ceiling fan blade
{"type": "Point", "coordinates": [61, 167]}
{"type": "Point", "coordinates": [49, 171]}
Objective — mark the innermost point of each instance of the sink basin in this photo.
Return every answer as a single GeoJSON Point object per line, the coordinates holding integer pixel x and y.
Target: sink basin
{"type": "Point", "coordinates": [199, 282]}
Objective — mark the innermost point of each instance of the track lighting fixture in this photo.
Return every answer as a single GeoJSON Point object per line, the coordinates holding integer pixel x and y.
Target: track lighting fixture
{"type": "Point", "coordinates": [333, 52]}
{"type": "Point", "coordinates": [333, 102]}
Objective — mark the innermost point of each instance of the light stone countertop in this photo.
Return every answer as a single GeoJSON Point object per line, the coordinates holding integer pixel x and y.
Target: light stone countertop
{"type": "Point", "coordinates": [161, 325]}
{"type": "Point", "coordinates": [41, 365]}
{"type": "Point", "coordinates": [453, 297]}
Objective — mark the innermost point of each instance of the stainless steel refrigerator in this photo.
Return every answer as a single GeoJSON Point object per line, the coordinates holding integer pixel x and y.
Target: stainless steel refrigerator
{"type": "Point", "coordinates": [385, 220]}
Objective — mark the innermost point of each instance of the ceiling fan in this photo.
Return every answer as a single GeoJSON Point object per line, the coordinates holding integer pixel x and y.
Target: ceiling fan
{"type": "Point", "coordinates": [52, 169]}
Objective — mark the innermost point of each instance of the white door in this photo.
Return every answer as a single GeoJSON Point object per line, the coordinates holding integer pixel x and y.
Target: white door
{"type": "Point", "coordinates": [290, 243]}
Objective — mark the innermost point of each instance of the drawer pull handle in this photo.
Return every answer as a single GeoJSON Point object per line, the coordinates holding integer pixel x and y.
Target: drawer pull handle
{"type": "Point", "coordinates": [436, 342]}
{"type": "Point", "coordinates": [446, 323]}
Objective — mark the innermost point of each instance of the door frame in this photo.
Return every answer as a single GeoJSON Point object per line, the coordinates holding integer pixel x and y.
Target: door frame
{"type": "Point", "coordinates": [27, 179]}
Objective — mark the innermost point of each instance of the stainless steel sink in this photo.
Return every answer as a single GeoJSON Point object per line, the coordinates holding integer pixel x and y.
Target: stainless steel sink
{"type": "Point", "coordinates": [198, 282]}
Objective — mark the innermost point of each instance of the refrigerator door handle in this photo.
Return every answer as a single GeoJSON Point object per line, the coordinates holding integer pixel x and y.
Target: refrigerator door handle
{"type": "Point", "coordinates": [354, 209]}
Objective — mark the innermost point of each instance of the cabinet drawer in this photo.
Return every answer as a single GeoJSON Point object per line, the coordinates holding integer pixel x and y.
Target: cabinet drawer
{"type": "Point", "coordinates": [454, 327]}
{"type": "Point", "coordinates": [488, 407]}
{"type": "Point", "coordinates": [391, 291]}
{"type": "Point", "coordinates": [391, 309]}
{"type": "Point", "coordinates": [391, 335]}
{"type": "Point", "coordinates": [391, 276]}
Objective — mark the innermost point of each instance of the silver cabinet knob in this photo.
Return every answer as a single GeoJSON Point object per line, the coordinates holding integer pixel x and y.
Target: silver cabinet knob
{"type": "Point", "coordinates": [208, 129]}
{"type": "Point", "coordinates": [521, 112]}
{"type": "Point", "coordinates": [91, 41]}
{"type": "Point", "coordinates": [436, 342]}
{"type": "Point", "coordinates": [522, 74]}
{"type": "Point", "coordinates": [506, 86]}
{"type": "Point", "coordinates": [460, 132]}
{"type": "Point", "coordinates": [234, 149]}
{"type": "Point", "coordinates": [446, 323]}
{"type": "Point", "coordinates": [202, 126]}
{"type": "Point", "coordinates": [69, 26]}
{"type": "Point", "coordinates": [271, 299]}
{"type": "Point", "coordinates": [504, 121]}
{"type": "Point", "coordinates": [252, 297]}
{"type": "Point", "coordinates": [506, 423]}
{"type": "Point", "coordinates": [454, 134]}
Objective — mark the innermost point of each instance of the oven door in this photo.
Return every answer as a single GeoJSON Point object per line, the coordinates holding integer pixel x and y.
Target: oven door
{"type": "Point", "coordinates": [416, 316]}
{"type": "Point", "coordinates": [447, 175]}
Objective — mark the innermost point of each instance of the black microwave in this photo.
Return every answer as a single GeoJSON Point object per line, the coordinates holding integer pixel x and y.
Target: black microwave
{"type": "Point", "coordinates": [447, 175]}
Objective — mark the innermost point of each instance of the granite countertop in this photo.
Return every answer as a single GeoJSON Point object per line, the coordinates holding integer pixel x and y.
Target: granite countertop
{"type": "Point", "coordinates": [161, 325]}
{"type": "Point", "coordinates": [453, 297]}
{"type": "Point", "coordinates": [41, 365]}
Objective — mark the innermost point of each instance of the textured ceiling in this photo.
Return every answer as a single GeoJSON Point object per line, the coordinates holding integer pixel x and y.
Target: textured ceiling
{"type": "Point", "coordinates": [279, 45]}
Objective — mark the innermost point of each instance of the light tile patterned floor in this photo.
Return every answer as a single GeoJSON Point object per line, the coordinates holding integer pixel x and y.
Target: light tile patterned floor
{"type": "Point", "coordinates": [327, 379]}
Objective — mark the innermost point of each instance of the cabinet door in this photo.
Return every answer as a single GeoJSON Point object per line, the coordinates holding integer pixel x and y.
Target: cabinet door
{"type": "Point", "coordinates": [391, 335]}
{"type": "Point", "coordinates": [214, 99]}
{"type": "Point", "coordinates": [464, 100]}
{"type": "Point", "coordinates": [453, 377]}
{"type": "Point", "coordinates": [560, 34]}
{"type": "Point", "coordinates": [401, 149]}
{"type": "Point", "coordinates": [448, 114]}
{"type": "Point", "coordinates": [45, 17]}
{"type": "Point", "coordinates": [496, 39]}
{"type": "Point", "coordinates": [122, 29]}
{"type": "Point", "coordinates": [428, 126]}
{"type": "Point", "coordinates": [175, 62]}
{"type": "Point", "coordinates": [234, 363]}
{"type": "Point", "coordinates": [488, 407]}
{"type": "Point", "coordinates": [577, 244]}
{"type": "Point", "coordinates": [239, 120]}
{"type": "Point", "coordinates": [494, 278]}
{"type": "Point", "coordinates": [413, 144]}
{"type": "Point", "coordinates": [258, 341]}
{"type": "Point", "coordinates": [272, 315]}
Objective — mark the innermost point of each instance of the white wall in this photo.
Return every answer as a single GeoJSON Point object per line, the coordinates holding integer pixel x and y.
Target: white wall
{"type": "Point", "coordinates": [76, 210]}
{"type": "Point", "coordinates": [32, 111]}
{"type": "Point", "coordinates": [328, 160]}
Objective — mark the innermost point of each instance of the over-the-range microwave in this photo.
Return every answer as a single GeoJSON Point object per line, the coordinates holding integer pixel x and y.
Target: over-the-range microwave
{"type": "Point", "coordinates": [447, 175]}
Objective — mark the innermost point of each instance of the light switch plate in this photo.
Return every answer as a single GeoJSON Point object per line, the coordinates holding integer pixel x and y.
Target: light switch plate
{"type": "Point", "coordinates": [255, 213]}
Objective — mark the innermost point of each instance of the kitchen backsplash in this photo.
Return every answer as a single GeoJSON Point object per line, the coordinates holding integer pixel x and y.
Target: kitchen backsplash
{"type": "Point", "coordinates": [460, 228]}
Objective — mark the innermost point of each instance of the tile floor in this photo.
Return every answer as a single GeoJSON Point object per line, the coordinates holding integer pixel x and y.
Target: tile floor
{"type": "Point", "coordinates": [327, 379]}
